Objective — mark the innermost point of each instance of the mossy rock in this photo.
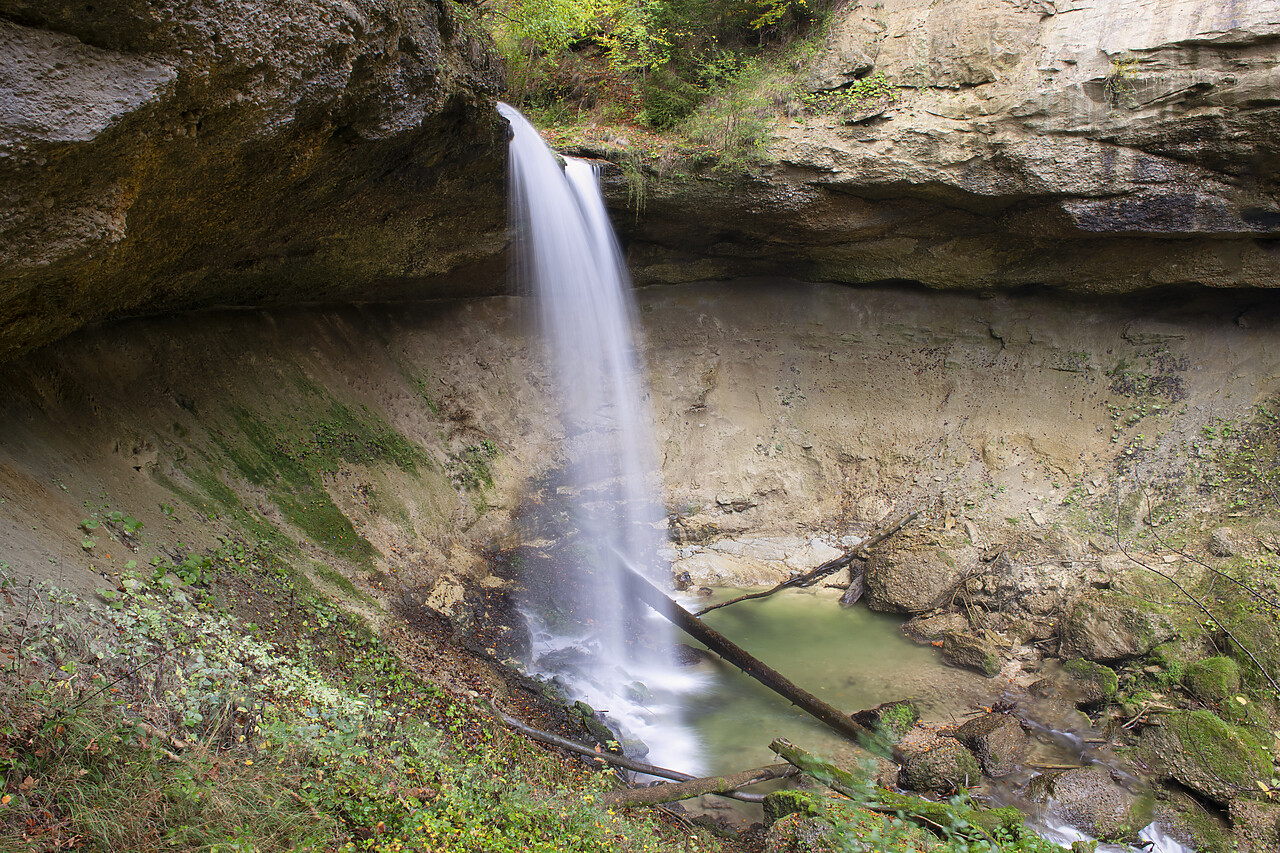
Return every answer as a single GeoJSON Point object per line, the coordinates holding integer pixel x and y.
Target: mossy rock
{"type": "Point", "coordinates": [1253, 625]}
{"type": "Point", "coordinates": [1091, 683]}
{"type": "Point", "coordinates": [944, 766]}
{"type": "Point", "coordinates": [803, 822]}
{"type": "Point", "coordinates": [1213, 680]}
{"type": "Point", "coordinates": [892, 719]}
{"type": "Point", "coordinates": [1200, 750]}
{"type": "Point", "coordinates": [1090, 800]}
{"type": "Point", "coordinates": [997, 740]}
{"type": "Point", "coordinates": [1112, 626]}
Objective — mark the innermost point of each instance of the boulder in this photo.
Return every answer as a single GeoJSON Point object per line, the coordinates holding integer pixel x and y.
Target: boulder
{"type": "Point", "coordinates": [939, 765]}
{"type": "Point", "coordinates": [1112, 626]}
{"type": "Point", "coordinates": [972, 652]}
{"type": "Point", "coordinates": [911, 579]}
{"type": "Point", "coordinates": [997, 740]}
{"type": "Point", "coordinates": [930, 627]}
{"type": "Point", "coordinates": [1088, 683]}
{"type": "Point", "coordinates": [1090, 800]}
{"type": "Point", "coordinates": [1224, 542]}
{"type": "Point", "coordinates": [1201, 751]}
{"type": "Point", "coordinates": [1212, 680]}
{"type": "Point", "coordinates": [893, 719]}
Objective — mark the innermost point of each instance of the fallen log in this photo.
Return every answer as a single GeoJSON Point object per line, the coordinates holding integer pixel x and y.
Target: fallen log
{"type": "Point", "coordinates": [604, 757]}
{"type": "Point", "coordinates": [732, 653]}
{"type": "Point", "coordinates": [940, 815]}
{"type": "Point", "coordinates": [830, 567]}
{"type": "Point", "coordinates": [857, 584]}
{"type": "Point", "coordinates": [669, 793]}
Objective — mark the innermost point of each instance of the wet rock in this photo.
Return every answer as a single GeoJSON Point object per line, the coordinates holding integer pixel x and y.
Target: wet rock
{"type": "Point", "coordinates": [971, 651]}
{"type": "Point", "coordinates": [686, 655]}
{"type": "Point", "coordinates": [894, 719]}
{"type": "Point", "coordinates": [1224, 542]}
{"type": "Point", "coordinates": [1090, 800]}
{"type": "Point", "coordinates": [930, 627]}
{"type": "Point", "coordinates": [1089, 683]}
{"type": "Point", "coordinates": [796, 833]}
{"type": "Point", "coordinates": [938, 765]}
{"type": "Point", "coordinates": [1212, 680]}
{"type": "Point", "coordinates": [1184, 819]}
{"type": "Point", "coordinates": [1111, 626]}
{"type": "Point", "coordinates": [1256, 826]}
{"type": "Point", "coordinates": [997, 740]}
{"type": "Point", "coordinates": [1204, 753]}
{"type": "Point", "coordinates": [911, 579]}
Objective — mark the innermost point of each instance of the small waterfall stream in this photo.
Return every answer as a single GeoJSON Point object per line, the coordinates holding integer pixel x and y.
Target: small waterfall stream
{"type": "Point", "coordinates": [605, 646]}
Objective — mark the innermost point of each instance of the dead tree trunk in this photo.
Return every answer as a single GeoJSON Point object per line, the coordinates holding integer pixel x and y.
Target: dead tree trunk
{"type": "Point", "coordinates": [769, 677]}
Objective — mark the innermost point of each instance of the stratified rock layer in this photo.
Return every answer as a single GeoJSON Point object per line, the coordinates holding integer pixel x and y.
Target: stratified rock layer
{"type": "Point", "coordinates": [1103, 147]}
{"type": "Point", "coordinates": [173, 154]}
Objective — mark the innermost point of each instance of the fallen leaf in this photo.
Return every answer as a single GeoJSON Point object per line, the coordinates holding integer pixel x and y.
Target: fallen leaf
{"type": "Point", "coordinates": [4, 801]}
{"type": "Point", "coordinates": [27, 784]}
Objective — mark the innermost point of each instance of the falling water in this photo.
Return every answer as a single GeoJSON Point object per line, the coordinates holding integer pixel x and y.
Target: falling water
{"type": "Point", "coordinates": [611, 652]}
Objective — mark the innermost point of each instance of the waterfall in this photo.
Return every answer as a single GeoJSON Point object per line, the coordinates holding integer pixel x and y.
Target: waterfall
{"type": "Point", "coordinates": [605, 646]}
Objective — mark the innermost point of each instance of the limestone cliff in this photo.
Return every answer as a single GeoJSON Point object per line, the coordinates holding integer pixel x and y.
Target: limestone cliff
{"type": "Point", "coordinates": [1107, 146]}
{"type": "Point", "coordinates": [172, 154]}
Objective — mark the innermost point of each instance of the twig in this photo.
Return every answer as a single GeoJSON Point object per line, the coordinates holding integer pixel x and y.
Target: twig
{"type": "Point", "coordinates": [1136, 716]}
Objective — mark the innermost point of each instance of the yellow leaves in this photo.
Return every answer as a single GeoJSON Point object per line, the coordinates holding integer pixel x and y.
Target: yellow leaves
{"type": "Point", "coordinates": [6, 799]}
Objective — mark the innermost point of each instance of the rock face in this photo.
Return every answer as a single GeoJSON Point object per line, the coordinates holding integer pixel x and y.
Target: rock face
{"type": "Point", "coordinates": [179, 153]}
{"type": "Point", "coordinates": [1113, 626]}
{"type": "Point", "coordinates": [1099, 147]}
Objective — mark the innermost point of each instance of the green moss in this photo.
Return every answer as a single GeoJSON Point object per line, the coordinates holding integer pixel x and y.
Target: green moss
{"type": "Point", "coordinates": [342, 582]}
{"type": "Point", "coordinates": [898, 718]}
{"type": "Point", "coordinates": [270, 459]}
{"type": "Point", "coordinates": [1213, 680]}
{"type": "Point", "coordinates": [1099, 680]}
{"type": "Point", "coordinates": [779, 804]}
{"type": "Point", "coordinates": [1206, 754]}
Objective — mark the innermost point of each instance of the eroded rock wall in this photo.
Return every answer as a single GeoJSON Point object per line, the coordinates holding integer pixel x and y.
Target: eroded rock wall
{"type": "Point", "coordinates": [162, 156]}
{"type": "Point", "coordinates": [1098, 147]}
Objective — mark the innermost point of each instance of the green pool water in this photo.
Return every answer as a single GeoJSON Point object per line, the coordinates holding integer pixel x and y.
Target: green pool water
{"type": "Point", "coordinates": [851, 658]}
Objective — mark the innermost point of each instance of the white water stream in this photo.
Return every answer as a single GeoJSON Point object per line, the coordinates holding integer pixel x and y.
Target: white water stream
{"type": "Point", "coordinates": [613, 653]}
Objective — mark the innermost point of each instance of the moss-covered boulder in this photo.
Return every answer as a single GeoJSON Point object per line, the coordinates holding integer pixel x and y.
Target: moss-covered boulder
{"type": "Point", "coordinates": [892, 719]}
{"type": "Point", "coordinates": [802, 822]}
{"type": "Point", "coordinates": [1213, 680]}
{"type": "Point", "coordinates": [997, 740]}
{"type": "Point", "coordinates": [1255, 626]}
{"type": "Point", "coordinates": [1112, 626]}
{"type": "Point", "coordinates": [1201, 751]}
{"type": "Point", "coordinates": [1089, 683]}
{"type": "Point", "coordinates": [939, 766]}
